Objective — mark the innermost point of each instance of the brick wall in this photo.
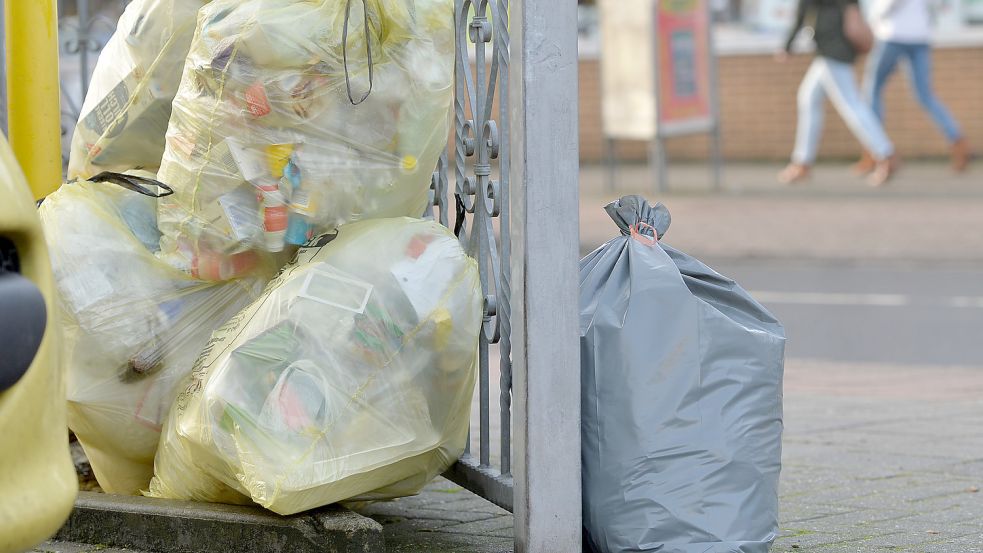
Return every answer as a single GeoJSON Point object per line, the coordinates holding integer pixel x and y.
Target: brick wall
{"type": "Point", "coordinates": [757, 103]}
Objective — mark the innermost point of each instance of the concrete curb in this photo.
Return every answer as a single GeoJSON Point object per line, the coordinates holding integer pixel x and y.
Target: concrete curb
{"type": "Point", "coordinates": [167, 526]}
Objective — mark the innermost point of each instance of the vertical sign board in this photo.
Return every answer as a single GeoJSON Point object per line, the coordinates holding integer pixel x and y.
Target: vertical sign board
{"type": "Point", "coordinates": [657, 75]}
{"type": "Point", "coordinates": [683, 67]}
{"type": "Point", "coordinates": [627, 69]}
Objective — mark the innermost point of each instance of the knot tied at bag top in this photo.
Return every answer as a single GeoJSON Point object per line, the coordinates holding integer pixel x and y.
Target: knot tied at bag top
{"type": "Point", "coordinates": [639, 219]}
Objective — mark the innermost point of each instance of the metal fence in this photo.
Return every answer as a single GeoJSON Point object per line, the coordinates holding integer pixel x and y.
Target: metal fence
{"type": "Point", "coordinates": [508, 186]}
{"type": "Point", "coordinates": [481, 146]}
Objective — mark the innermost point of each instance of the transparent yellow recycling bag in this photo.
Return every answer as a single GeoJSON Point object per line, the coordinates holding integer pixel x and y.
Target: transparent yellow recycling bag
{"type": "Point", "coordinates": [296, 116]}
{"type": "Point", "coordinates": [125, 112]}
{"type": "Point", "coordinates": [350, 378]}
{"type": "Point", "coordinates": [132, 325]}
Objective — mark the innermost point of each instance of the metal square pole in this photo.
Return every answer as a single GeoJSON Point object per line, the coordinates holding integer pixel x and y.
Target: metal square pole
{"type": "Point", "coordinates": [545, 248]}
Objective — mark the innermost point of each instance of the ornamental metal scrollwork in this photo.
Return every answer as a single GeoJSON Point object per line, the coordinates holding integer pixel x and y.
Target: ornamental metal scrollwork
{"type": "Point", "coordinates": [481, 218]}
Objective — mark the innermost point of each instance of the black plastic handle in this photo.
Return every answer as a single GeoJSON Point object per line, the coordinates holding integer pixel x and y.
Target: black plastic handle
{"type": "Point", "coordinates": [22, 320]}
{"type": "Point", "coordinates": [134, 183]}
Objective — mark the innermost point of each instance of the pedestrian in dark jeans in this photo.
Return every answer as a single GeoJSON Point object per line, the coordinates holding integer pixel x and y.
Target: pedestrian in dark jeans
{"type": "Point", "coordinates": [831, 75]}
{"type": "Point", "coordinates": [902, 30]}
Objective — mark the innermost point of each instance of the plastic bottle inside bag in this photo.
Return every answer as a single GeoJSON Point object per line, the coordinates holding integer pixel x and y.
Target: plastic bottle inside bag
{"type": "Point", "coordinates": [366, 119]}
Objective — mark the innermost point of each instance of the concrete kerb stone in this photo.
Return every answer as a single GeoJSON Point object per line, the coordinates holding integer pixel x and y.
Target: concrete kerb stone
{"type": "Point", "coordinates": [167, 526]}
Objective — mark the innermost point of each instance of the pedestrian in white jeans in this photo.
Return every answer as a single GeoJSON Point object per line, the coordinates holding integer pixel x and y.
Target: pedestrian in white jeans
{"type": "Point", "coordinates": [831, 75]}
{"type": "Point", "coordinates": [832, 78]}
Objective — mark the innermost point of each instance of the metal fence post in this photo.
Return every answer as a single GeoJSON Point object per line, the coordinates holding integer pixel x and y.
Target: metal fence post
{"type": "Point", "coordinates": [545, 246]}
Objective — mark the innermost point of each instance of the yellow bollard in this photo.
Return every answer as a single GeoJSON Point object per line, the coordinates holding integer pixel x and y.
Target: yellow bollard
{"type": "Point", "coordinates": [33, 103]}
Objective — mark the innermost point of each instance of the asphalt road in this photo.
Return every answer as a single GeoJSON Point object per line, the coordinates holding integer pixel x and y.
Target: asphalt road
{"type": "Point", "coordinates": [927, 314]}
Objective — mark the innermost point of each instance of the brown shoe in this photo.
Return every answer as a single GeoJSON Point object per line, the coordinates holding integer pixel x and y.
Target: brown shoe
{"type": "Point", "coordinates": [961, 155]}
{"type": "Point", "coordinates": [865, 165]}
{"type": "Point", "coordinates": [793, 173]}
{"type": "Point", "coordinates": [884, 169]}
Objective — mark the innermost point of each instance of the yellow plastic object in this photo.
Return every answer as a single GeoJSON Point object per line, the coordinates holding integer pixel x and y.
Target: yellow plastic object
{"type": "Point", "coordinates": [37, 478]}
{"type": "Point", "coordinates": [33, 109]}
{"type": "Point", "coordinates": [131, 324]}
{"type": "Point", "coordinates": [350, 378]}
{"type": "Point", "coordinates": [124, 115]}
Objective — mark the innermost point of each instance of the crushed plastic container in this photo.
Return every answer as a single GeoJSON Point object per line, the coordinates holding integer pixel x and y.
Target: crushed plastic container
{"type": "Point", "coordinates": [296, 116]}
{"type": "Point", "coordinates": [132, 325]}
{"type": "Point", "coordinates": [350, 378]}
{"type": "Point", "coordinates": [128, 103]}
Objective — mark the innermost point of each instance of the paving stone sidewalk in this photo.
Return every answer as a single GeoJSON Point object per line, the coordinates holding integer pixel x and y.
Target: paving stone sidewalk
{"type": "Point", "coordinates": [444, 518]}
{"type": "Point", "coordinates": [876, 458]}
{"type": "Point", "coordinates": [925, 214]}
{"type": "Point", "coordinates": [882, 458]}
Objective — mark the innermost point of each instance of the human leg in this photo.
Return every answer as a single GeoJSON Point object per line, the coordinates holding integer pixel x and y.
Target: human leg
{"type": "Point", "coordinates": [839, 84]}
{"type": "Point", "coordinates": [920, 70]}
{"type": "Point", "coordinates": [810, 113]}
{"type": "Point", "coordinates": [809, 123]}
{"type": "Point", "coordinates": [881, 64]}
{"type": "Point", "coordinates": [842, 89]}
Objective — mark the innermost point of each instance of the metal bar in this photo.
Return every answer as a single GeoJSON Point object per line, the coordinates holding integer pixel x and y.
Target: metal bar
{"type": "Point", "coordinates": [83, 41]}
{"type": "Point", "coordinates": [482, 98]}
{"type": "Point", "coordinates": [657, 151]}
{"type": "Point", "coordinates": [658, 161]}
{"type": "Point", "coordinates": [609, 140]}
{"type": "Point", "coordinates": [462, 77]}
{"type": "Point", "coordinates": [609, 156]}
{"type": "Point", "coordinates": [716, 159]}
{"type": "Point", "coordinates": [441, 189]}
{"type": "Point", "coordinates": [716, 153]}
{"type": "Point", "coordinates": [483, 481]}
{"type": "Point", "coordinates": [484, 447]}
{"type": "Point", "coordinates": [545, 245]}
{"type": "Point", "coordinates": [504, 292]}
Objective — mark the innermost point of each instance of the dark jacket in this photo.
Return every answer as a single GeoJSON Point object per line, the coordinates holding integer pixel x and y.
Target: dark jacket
{"type": "Point", "coordinates": [826, 18]}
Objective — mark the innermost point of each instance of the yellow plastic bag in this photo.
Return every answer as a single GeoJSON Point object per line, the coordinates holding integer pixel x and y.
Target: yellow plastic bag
{"type": "Point", "coordinates": [350, 378]}
{"type": "Point", "coordinates": [296, 116]}
{"type": "Point", "coordinates": [125, 112]}
{"type": "Point", "coordinates": [132, 325]}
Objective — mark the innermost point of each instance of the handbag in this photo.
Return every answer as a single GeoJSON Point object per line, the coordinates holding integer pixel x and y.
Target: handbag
{"type": "Point", "coordinates": [856, 30]}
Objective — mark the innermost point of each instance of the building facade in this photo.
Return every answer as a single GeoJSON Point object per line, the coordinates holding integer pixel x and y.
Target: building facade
{"type": "Point", "coordinates": [758, 95]}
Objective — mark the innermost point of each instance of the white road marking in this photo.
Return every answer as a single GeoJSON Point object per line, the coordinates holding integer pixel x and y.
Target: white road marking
{"type": "Point", "coordinates": [966, 301]}
{"type": "Point", "coordinates": [821, 298]}
{"type": "Point", "coordinates": [875, 300]}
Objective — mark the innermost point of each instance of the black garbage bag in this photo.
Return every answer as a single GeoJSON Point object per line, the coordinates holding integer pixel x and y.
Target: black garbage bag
{"type": "Point", "coordinates": [681, 399]}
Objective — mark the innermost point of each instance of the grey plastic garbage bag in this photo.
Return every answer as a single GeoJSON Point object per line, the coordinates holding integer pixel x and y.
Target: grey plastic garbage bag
{"type": "Point", "coordinates": [682, 399]}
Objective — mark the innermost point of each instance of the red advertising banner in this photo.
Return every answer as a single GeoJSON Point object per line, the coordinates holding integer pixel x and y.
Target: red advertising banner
{"type": "Point", "coordinates": [682, 31]}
